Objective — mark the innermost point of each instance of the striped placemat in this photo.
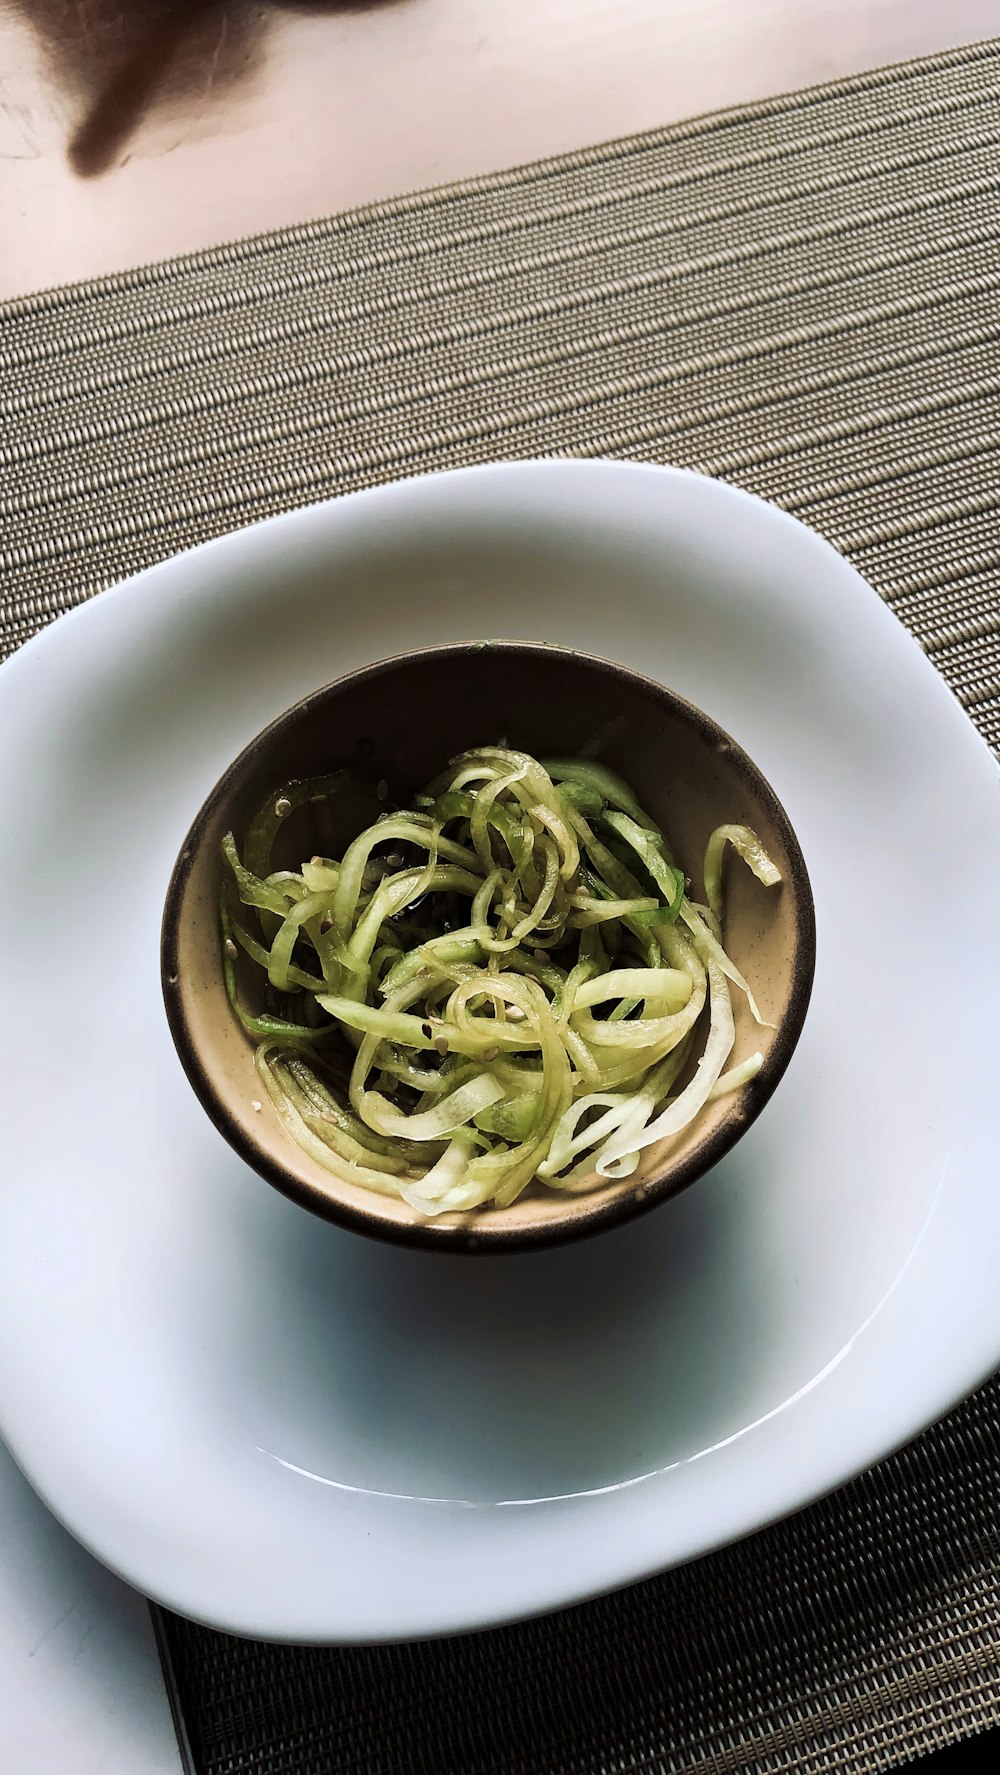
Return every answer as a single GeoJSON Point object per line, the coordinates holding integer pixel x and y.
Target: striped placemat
{"type": "Point", "coordinates": [802, 296]}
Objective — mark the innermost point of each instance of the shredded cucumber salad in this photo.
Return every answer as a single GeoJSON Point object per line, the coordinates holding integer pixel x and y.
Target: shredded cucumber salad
{"type": "Point", "coordinates": [507, 982]}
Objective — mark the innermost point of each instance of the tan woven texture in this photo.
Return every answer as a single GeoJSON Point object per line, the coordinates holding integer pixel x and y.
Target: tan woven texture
{"type": "Point", "coordinates": [802, 296]}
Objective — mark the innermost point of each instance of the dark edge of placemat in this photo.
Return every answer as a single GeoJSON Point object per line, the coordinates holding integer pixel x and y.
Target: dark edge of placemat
{"type": "Point", "coordinates": [867, 1628]}
{"type": "Point", "coordinates": [161, 1634]}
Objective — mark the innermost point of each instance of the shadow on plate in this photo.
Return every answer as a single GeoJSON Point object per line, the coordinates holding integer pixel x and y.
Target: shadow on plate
{"type": "Point", "coordinates": [491, 1380]}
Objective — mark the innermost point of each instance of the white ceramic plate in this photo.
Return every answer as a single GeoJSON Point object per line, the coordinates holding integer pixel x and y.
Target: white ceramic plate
{"type": "Point", "coordinates": [277, 1427]}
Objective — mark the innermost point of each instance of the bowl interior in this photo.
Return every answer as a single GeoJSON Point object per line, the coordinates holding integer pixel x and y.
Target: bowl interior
{"type": "Point", "coordinates": [401, 721]}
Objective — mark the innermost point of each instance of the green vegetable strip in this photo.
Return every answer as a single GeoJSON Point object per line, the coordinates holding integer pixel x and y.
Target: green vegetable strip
{"type": "Point", "coordinates": [586, 910]}
{"type": "Point", "coordinates": [415, 830]}
{"type": "Point", "coordinates": [279, 966]}
{"type": "Point", "coordinates": [535, 916]}
{"type": "Point", "coordinates": [482, 809]}
{"type": "Point", "coordinates": [621, 1152]}
{"type": "Point", "coordinates": [328, 1148]}
{"type": "Point", "coordinates": [263, 828]}
{"type": "Point", "coordinates": [744, 840]}
{"type": "Point", "coordinates": [649, 845]}
{"type": "Point", "coordinates": [737, 1076]}
{"type": "Point", "coordinates": [252, 890]}
{"type": "Point", "coordinates": [671, 984]}
{"type": "Point", "coordinates": [603, 786]}
{"type": "Point", "coordinates": [256, 951]}
{"type": "Point", "coordinates": [446, 1187]}
{"type": "Point", "coordinates": [448, 1113]}
{"type": "Point", "coordinates": [519, 1004]}
{"type": "Point", "coordinates": [260, 1026]}
{"type": "Point", "coordinates": [461, 947]}
{"type": "Point", "coordinates": [710, 946]}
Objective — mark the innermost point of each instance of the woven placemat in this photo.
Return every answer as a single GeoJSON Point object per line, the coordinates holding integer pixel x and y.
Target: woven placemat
{"type": "Point", "coordinates": [802, 296]}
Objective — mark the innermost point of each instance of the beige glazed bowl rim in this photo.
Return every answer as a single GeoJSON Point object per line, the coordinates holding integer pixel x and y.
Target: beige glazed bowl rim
{"type": "Point", "coordinates": [463, 1234]}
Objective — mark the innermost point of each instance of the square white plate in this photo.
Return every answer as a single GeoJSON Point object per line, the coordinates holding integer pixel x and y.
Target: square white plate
{"type": "Point", "coordinates": [284, 1430]}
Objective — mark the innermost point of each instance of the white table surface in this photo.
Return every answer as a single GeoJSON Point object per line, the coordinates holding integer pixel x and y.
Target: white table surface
{"type": "Point", "coordinates": [125, 136]}
{"type": "Point", "coordinates": [80, 1685]}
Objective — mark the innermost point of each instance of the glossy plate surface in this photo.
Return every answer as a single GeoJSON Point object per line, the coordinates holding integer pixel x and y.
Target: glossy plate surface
{"type": "Point", "coordinates": [283, 1429]}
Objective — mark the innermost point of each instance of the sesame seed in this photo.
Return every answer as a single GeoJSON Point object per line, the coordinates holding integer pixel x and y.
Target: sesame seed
{"type": "Point", "coordinates": [491, 1054]}
{"type": "Point", "coordinates": [282, 807]}
{"type": "Point", "coordinates": [441, 1044]}
{"type": "Point", "coordinates": [427, 1030]}
{"type": "Point", "coordinates": [515, 1014]}
{"type": "Point", "coordinates": [231, 949]}
{"type": "Point", "coordinates": [255, 1104]}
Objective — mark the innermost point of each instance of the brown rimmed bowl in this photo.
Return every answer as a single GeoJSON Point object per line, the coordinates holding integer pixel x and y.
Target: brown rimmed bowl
{"type": "Point", "coordinates": [402, 720]}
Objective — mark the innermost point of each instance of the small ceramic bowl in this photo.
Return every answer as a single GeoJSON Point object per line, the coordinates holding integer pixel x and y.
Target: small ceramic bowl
{"type": "Point", "coordinates": [403, 719]}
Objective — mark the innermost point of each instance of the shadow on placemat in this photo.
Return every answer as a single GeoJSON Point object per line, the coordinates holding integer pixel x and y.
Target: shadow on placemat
{"type": "Point", "coordinates": [860, 1632]}
{"type": "Point", "coordinates": [120, 64]}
